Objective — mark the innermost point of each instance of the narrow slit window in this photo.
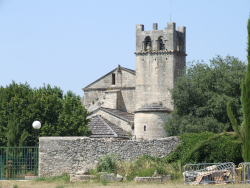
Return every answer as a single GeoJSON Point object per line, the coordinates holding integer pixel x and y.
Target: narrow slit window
{"type": "Point", "coordinates": [144, 127]}
{"type": "Point", "coordinates": [113, 79]}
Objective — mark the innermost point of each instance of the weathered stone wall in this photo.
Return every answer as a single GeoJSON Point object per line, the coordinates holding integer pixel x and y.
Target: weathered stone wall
{"type": "Point", "coordinates": [122, 79]}
{"type": "Point", "coordinates": [71, 154]}
{"type": "Point", "coordinates": [94, 95]}
{"type": "Point", "coordinates": [123, 99]}
{"type": "Point", "coordinates": [154, 78]}
{"type": "Point", "coordinates": [111, 98]}
{"type": "Point", "coordinates": [126, 102]}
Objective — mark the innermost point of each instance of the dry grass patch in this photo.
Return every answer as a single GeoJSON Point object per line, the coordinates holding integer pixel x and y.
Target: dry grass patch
{"type": "Point", "coordinates": [175, 184]}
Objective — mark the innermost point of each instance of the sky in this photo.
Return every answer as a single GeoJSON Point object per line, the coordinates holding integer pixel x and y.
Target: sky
{"type": "Point", "coordinates": [71, 43]}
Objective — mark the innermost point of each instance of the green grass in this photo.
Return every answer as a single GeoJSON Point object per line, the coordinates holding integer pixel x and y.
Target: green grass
{"type": "Point", "coordinates": [60, 186]}
{"type": "Point", "coordinates": [65, 178]}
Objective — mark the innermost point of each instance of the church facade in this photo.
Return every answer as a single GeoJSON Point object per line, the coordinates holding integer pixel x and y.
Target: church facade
{"type": "Point", "coordinates": [127, 103]}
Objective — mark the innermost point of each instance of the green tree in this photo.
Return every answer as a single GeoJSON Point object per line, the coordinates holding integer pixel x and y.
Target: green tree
{"type": "Point", "coordinates": [15, 136]}
{"type": "Point", "coordinates": [20, 105]}
{"type": "Point", "coordinates": [200, 96]}
{"type": "Point", "coordinates": [245, 86]}
{"type": "Point", "coordinates": [243, 131]}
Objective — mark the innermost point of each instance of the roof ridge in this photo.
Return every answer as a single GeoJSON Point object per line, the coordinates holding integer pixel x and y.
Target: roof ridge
{"type": "Point", "coordinates": [126, 69]}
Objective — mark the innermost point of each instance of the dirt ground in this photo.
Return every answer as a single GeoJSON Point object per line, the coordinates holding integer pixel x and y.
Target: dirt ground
{"type": "Point", "coordinates": [34, 184]}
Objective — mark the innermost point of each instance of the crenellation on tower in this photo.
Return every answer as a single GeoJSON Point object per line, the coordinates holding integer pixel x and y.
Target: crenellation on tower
{"type": "Point", "coordinates": [155, 26]}
{"type": "Point", "coordinates": [139, 27]}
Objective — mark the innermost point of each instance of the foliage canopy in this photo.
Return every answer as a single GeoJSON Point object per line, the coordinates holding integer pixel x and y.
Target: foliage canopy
{"type": "Point", "coordinates": [20, 106]}
{"type": "Point", "coordinates": [201, 95]}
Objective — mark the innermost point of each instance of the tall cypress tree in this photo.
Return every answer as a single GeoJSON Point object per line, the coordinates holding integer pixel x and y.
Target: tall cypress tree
{"type": "Point", "coordinates": [244, 131]}
{"type": "Point", "coordinates": [245, 100]}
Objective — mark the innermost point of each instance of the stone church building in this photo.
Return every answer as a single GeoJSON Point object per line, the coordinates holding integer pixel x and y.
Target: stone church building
{"type": "Point", "coordinates": [127, 103]}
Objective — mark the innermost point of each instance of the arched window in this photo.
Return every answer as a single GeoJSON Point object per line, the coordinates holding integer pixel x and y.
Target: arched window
{"type": "Point", "coordinates": [160, 45]}
{"type": "Point", "coordinates": [179, 46]}
{"type": "Point", "coordinates": [147, 44]}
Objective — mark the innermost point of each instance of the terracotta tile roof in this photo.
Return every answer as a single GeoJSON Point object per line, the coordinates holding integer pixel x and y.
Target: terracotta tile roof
{"type": "Point", "coordinates": [101, 128]}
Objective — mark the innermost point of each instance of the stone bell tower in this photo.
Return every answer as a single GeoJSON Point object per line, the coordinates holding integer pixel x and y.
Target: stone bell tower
{"type": "Point", "coordinates": [160, 55]}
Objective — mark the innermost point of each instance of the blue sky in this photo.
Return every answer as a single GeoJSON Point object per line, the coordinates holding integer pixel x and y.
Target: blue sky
{"type": "Point", "coordinates": [71, 43]}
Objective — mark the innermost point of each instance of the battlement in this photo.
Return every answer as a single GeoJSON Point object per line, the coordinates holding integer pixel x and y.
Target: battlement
{"type": "Point", "coordinates": [170, 25]}
{"type": "Point", "coordinates": [156, 40]}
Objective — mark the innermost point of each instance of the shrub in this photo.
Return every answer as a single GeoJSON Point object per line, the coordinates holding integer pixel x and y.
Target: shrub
{"type": "Point", "coordinates": [107, 164]}
{"type": "Point", "coordinates": [146, 165]}
{"type": "Point", "coordinates": [208, 148]}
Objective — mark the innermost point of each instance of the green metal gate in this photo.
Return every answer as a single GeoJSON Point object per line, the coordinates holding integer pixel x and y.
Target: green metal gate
{"type": "Point", "coordinates": [18, 162]}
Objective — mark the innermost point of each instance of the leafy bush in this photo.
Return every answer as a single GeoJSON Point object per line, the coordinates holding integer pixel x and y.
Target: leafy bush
{"type": "Point", "coordinates": [207, 147]}
{"type": "Point", "coordinates": [104, 181]}
{"type": "Point", "coordinates": [107, 164]}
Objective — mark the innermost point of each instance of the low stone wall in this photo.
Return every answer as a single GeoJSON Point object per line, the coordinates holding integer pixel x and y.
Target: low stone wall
{"type": "Point", "coordinates": [71, 154]}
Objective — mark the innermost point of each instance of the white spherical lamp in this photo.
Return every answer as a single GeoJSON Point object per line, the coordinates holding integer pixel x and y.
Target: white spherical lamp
{"type": "Point", "coordinates": [36, 125]}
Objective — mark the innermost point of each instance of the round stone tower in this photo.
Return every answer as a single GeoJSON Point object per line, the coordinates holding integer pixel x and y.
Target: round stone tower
{"type": "Point", "coordinates": [149, 120]}
{"type": "Point", "coordinates": [160, 56]}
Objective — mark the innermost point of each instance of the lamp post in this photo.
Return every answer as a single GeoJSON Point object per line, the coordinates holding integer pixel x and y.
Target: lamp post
{"type": "Point", "coordinates": [36, 125]}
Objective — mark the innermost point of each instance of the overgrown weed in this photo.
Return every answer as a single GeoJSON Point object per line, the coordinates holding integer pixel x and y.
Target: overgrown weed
{"type": "Point", "coordinates": [104, 181]}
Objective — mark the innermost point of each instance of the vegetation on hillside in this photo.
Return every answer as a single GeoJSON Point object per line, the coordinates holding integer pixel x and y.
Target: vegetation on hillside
{"type": "Point", "coordinates": [20, 106]}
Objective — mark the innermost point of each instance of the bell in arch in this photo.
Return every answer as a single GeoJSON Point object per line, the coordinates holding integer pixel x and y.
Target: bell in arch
{"type": "Point", "coordinates": [149, 48]}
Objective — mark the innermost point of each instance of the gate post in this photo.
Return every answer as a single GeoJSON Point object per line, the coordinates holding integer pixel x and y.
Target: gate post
{"type": "Point", "coordinates": [7, 152]}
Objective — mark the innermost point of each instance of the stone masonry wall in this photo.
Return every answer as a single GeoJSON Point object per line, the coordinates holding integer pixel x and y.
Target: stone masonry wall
{"type": "Point", "coordinates": [122, 79]}
{"type": "Point", "coordinates": [71, 154]}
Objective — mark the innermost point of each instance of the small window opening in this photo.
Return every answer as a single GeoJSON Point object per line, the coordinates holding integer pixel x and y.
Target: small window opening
{"type": "Point", "coordinates": [113, 79]}
{"type": "Point", "coordinates": [144, 127]}
{"type": "Point", "coordinates": [160, 45]}
{"type": "Point", "coordinates": [179, 46]}
{"type": "Point", "coordinates": [147, 44]}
